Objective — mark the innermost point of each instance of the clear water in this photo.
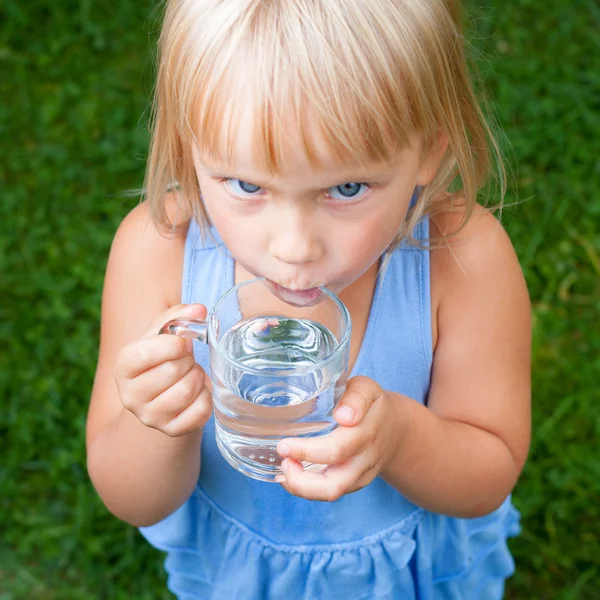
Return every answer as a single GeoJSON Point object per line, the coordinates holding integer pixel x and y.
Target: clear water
{"type": "Point", "coordinates": [255, 410]}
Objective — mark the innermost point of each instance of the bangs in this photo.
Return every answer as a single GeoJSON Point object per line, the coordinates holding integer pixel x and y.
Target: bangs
{"type": "Point", "coordinates": [361, 94]}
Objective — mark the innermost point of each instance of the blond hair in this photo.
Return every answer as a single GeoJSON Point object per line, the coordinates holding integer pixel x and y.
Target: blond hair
{"type": "Point", "coordinates": [371, 72]}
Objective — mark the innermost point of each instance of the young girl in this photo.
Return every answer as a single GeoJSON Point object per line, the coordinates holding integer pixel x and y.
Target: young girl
{"type": "Point", "coordinates": [320, 143]}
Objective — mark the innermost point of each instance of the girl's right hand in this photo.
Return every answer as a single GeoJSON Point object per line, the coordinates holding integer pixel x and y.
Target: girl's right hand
{"type": "Point", "coordinates": [159, 381]}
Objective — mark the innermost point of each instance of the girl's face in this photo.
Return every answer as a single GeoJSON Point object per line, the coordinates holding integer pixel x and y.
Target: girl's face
{"type": "Point", "coordinates": [307, 227]}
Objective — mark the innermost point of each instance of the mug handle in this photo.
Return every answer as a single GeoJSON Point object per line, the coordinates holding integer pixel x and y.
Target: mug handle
{"type": "Point", "coordinates": [191, 330]}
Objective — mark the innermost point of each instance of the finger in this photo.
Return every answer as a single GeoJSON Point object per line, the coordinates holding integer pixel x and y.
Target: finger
{"type": "Point", "coordinates": [338, 446]}
{"type": "Point", "coordinates": [174, 379]}
{"type": "Point", "coordinates": [173, 399]}
{"type": "Point", "coordinates": [327, 486]}
{"type": "Point", "coordinates": [289, 466]}
{"type": "Point", "coordinates": [361, 393]}
{"type": "Point", "coordinates": [193, 417]}
{"type": "Point", "coordinates": [148, 353]}
{"type": "Point", "coordinates": [136, 393]}
{"type": "Point", "coordinates": [180, 311]}
{"type": "Point", "coordinates": [367, 463]}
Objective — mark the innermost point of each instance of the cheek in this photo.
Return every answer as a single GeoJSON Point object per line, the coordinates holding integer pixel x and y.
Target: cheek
{"type": "Point", "coordinates": [240, 234]}
{"type": "Point", "coordinates": [374, 233]}
{"type": "Point", "coordinates": [362, 246]}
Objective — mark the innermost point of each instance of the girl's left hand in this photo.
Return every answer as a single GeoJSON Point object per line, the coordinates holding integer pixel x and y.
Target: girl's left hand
{"type": "Point", "coordinates": [372, 426]}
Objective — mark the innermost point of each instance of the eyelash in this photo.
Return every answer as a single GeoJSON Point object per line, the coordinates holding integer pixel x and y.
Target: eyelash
{"type": "Point", "coordinates": [225, 182]}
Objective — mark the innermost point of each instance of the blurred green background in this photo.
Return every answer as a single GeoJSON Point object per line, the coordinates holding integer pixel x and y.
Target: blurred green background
{"type": "Point", "coordinates": [75, 84]}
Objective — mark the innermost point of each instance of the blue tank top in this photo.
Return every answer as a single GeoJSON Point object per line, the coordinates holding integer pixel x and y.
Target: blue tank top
{"type": "Point", "coordinates": [236, 538]}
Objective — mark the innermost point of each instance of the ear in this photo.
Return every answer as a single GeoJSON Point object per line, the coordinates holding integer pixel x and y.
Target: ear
{"type": "Point", "coordinates": [431, 158]}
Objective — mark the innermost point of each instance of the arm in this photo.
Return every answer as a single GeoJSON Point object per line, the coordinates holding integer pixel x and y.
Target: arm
{"type": "Point", "coordinates": [141, 473]}
{"type": "Point", "coordinates": [462, 454]}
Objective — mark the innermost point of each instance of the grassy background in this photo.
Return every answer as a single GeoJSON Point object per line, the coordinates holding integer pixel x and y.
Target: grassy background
{"type": "Point", "coordinates": [75, 80]}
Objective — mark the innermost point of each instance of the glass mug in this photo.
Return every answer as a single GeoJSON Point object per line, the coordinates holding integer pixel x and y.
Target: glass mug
{"type": "Point", "coordinates": [278, 369]}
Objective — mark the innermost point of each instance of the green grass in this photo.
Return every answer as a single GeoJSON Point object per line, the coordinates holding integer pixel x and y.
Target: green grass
{"type": "Point", "coordinates": [75, 80]}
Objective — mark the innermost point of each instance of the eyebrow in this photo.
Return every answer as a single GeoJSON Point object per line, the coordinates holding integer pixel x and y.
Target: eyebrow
{"type": "Point", "coordinates": [230, 172]}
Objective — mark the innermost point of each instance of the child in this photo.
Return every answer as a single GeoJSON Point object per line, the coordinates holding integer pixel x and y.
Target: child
{"type": "Point", "coordinates": [320, 142]}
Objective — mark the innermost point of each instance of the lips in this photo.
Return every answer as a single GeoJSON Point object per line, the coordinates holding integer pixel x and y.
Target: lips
{"type": "Point", "coordinates": [300, 298]}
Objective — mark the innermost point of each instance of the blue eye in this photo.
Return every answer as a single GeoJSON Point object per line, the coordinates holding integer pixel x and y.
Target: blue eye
{"type": "Point", "coordinates": [348, 191]}
{"type": "Point", "coordinates": [241, 188]}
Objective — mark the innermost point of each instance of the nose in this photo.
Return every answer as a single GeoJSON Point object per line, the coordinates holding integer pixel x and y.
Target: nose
{"type": "Point", "coordinates": [293, 237]}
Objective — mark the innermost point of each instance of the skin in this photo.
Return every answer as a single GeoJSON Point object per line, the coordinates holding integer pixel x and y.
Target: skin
{"type": "Point", "coordinates": [150, 401]}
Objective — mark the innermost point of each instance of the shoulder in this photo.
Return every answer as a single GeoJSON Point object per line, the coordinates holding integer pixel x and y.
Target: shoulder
{"type": "Point", "coordinates": [474, 265]}
{"type": "Point", "coordinates": [476, 246]}
{"type": "Point", "coordinates": [144, 254]}
{"type": "Point", "coordinates": [139, 227]}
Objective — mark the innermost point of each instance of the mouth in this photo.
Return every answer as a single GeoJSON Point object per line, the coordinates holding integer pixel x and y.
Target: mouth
{"type": "Point", "coordinates": [299, 298]}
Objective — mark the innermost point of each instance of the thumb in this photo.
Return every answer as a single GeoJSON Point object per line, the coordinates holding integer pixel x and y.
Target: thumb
{"type": "Point", "coordinates": [360, 394]}
{"type": "Point", "coordinates": [187, 311]}
{"type": "Point", "coordinates": [178, 312]}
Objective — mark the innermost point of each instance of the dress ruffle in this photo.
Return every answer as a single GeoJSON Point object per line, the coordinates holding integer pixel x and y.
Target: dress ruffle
{"type": "Point", "coordinates": [470, 557]}
{"type": "Point", "coordinates": [212, 556]}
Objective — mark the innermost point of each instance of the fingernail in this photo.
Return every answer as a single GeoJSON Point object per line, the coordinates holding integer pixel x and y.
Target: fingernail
{"type": "Point", "coordinates": [283, 449]}
{"type": "Point", "coordinates": [279, 479]}
{"type": "Point", "coordinates": [284, 466]}
{"type": "Point", "coordinates": [345, 413]}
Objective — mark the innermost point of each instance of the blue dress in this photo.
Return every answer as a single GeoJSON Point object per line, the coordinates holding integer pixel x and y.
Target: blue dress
{"type": "Point", "coordinates": [236, 538]}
